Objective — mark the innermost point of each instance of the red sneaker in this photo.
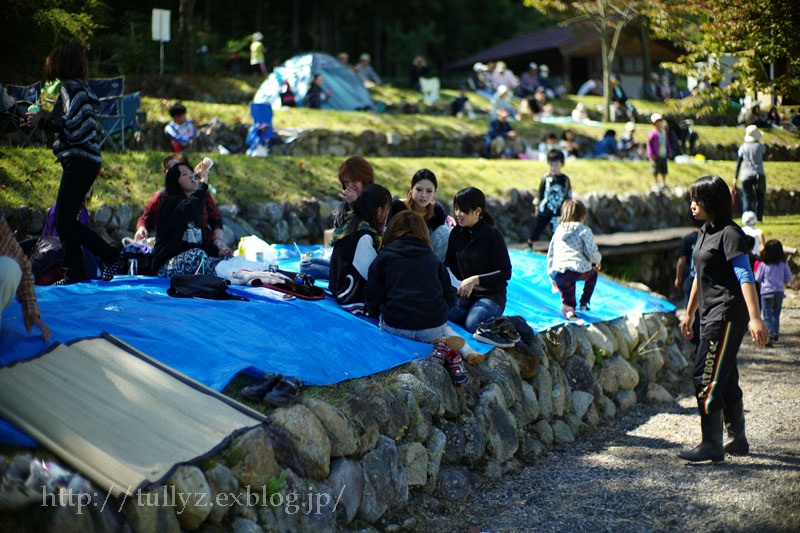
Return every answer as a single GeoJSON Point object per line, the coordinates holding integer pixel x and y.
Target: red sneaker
{"type": "Point", "coordinates": [439, 353]}
{"type": "Point", "coordinates": [456, 368]}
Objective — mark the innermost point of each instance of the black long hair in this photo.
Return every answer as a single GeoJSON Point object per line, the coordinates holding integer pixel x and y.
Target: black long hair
{"type": "Point", "coordinates": [365, 207]}
{"type": "Point", "coordinates": [773, 253]}
{"type": "Point", "coordinates": [714, 196]}
{"type": "Point", "coordinates": [471, 198]}
{"type": "Point", "coordinates": [171, 179]}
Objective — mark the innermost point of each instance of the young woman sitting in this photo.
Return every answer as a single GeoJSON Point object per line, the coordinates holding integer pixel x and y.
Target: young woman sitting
{"type": "Point", "coordinates": [179, 247]}
{"type": "Point", "coordinates": [477, 255]}
{"type": "Point", "coordinates": [421, 199]}
{"type": "Point", "coordinates": [410, 289]}
{"type": "Point", "coordinates": [355, 246]}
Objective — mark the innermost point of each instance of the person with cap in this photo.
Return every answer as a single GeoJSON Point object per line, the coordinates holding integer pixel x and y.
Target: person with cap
{"type": "Point", "coordinates": [365, 71]}
{"type": "Point", "coordinates": [344, 57]}
{"type": "Point", "coordinates": [628, 147]}
{"type": "Point", "coordinates": [477, 81]}
{"type": "Point", "coordinates": [501, 100]}
{"type": "Point", "coordinates": [750, 161]}
{"type": "Point", "coordinates": [257, 62]}
{"type": "Point", "coordinates": [658, 149]}
{"type": "Point", "coordinates": [652, 89]}
{"type": "Point", "coordinates": [543, 79]}
{"type": "Point", "coordinates": [502, 75]}
{"type": "Point", "coordinates": [528, 81]}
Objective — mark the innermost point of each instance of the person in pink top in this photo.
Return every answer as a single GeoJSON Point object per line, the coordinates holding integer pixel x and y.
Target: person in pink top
{"type": "Point", "coordinates": [658, 149]}
{"type": "Point", "coordinates": [773, 273]}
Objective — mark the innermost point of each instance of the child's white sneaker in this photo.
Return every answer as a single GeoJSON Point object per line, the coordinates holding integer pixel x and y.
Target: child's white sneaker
{"type": "Point", "coordinates": [572, 317]}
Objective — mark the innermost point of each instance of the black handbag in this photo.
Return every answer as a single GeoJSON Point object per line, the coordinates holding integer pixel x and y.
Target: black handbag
{"type": "Point", "coordinates": [201, 286]}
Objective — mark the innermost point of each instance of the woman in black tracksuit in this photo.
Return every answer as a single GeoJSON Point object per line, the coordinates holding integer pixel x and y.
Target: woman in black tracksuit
{"type": "Point", "coordinates": [724, 290]}
{"type": "Point", "coordinates": [77, 148]}
{"type": "Point", "coordinates": [477, 255]}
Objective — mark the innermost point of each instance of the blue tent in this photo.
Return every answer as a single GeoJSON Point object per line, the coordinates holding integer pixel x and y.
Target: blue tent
{"type": "Point", "coordinates": [348, 92]}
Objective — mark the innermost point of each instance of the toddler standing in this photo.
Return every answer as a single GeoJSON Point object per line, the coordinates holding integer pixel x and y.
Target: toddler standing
{"type": "Point", "coordinates": [573, 256]}
{"type": "Point", "coordinates": [773, 273]}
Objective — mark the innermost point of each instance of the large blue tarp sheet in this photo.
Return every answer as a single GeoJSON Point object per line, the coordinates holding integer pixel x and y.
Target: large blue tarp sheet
{"type": "Point", "coordinates": [212, 341]}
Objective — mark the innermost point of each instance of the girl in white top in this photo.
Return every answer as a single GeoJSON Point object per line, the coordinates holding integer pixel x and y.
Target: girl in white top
{"type": "Point", "coordinates": [749, 228]}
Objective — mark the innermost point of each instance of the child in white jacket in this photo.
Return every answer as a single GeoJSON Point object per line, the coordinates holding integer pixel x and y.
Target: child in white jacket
{"type": "Point", "coordinates": [573, 256]}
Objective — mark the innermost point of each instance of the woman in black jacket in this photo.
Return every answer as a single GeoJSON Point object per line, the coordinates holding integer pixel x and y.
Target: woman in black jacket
{"type": "Point", "coordinates": [77, 148]}
{"type": "Point", "coordinates": [410, 289]}
{"type": "Point", "coordinates": [477, 255]}
{"type": "Point", "coordinates": [179, 247]}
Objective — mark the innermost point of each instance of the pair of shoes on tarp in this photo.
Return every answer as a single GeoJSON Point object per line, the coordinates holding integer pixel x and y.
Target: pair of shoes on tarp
{"type": "Point", "coordinates": [443, 355]}
{"type": "Point", "coordinates": [499, 332]}
{"type": "Point", "coordinates": [274, 389]}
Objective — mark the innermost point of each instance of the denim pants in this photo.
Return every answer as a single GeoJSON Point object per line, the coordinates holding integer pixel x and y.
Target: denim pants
{"type": "Point", "coordinates": [771, 311]}
{"type": "Point", "coordinates": [469, 313]}
{"type": "Point", "coordinates": [753, 191]}
{"type": "Point", "coordinates": [422, 335]}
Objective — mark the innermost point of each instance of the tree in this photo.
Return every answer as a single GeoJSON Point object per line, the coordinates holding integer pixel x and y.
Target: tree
{"type": "Point", "coordinates": [762, 34]}
{"type": "Point", "coordinates": [607, 17]}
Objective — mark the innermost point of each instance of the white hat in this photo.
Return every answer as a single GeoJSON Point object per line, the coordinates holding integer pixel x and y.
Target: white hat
{"type": "Point", "coordinates": [258, 36]}
{"type": "Point", "coordinates": [501, 90]}
{"type": "Point", "coordinates": [752, 134]}
{"type": "Point", "coordinates": [749, 218]}
{"type": "Point", "coordinates": [533, 65]}
{"type": "Point", "coordinates": [655, 117]}
{"type": "Point", "coordinates": [544, 68]}
{"type": "Point", "coordinates": [478, 67]}
{"type": "Point", "coordinates": [365, 56]}
{"type": "Point", "coordinates": [630, 126]}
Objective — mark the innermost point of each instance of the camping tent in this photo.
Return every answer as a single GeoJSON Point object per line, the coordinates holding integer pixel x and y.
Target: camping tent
{"type": "Point", "coordinates": [348, 92]}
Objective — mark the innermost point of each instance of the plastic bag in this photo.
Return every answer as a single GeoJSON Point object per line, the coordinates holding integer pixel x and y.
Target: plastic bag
{"type": "Point", "coordinates": [254, 249]}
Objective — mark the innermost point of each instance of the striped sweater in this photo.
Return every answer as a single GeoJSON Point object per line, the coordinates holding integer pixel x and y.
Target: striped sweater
{"type": "Point", "coordinates": [74, 121]}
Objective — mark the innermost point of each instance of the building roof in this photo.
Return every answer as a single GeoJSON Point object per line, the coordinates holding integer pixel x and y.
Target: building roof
{"type": "Point", "coordinates": [525, 44]}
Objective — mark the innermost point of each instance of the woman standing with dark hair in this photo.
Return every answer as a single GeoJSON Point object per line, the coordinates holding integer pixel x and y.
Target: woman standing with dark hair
{"type": "Point", "coordinates": [725, 292]}
{"type": "Point", "coordinates": [477, 255]}
{"type": "Point", "coordinates": [421, 199]}
{"type": "Point", "coordinates": [355, 245]}
{"type": "Point", "coordinates": [77, 148]}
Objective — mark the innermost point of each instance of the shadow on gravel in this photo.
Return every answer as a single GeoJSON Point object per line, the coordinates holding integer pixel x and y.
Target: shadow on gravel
{"type": "Point", "coordinates": [771, 362]}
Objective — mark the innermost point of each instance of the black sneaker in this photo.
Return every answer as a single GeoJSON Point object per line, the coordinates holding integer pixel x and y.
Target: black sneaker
{"type": "Point", "coordinates": [260, 388]}
{"type": "Point", "coordinates": [508, 329]}
{"type": "Point", "coordinates": [284, 392]}
{"type": "Point", "coordinates": [491, 334]}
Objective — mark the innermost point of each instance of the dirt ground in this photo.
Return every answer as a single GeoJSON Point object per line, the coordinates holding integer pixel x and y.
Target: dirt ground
{"type": "Point", "coordinates": [626, 477]}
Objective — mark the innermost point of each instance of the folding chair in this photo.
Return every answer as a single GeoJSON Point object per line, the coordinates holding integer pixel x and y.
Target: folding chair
{"type": "Point", "coordinates": [112, 108]}
{"type": "Point", "coordinates": [14, 118]}
{"type": "Point", "coordinates": [430, 89]}
{"type": "Point", "coordinates": [260, 135]}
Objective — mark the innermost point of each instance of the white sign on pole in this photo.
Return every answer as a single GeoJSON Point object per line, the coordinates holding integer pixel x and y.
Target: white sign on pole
{"type": "Point", "coordinates": [161, 25]}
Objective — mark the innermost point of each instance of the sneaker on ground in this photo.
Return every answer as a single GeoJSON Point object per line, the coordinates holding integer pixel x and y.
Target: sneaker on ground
{"type": "Point", "coordinates": [493, 335]}
{"type": "Point", "coordinates": [456, 368]}
{"type": "Point", "coordinates": [439, 353]}
{"type": "Point", "coordinates": [507, 328]}
{"type": "Point", "coordinates": [585, 307]}
{"type": "Point", "coordinates": [572, 317]}
{"type": "Point", "coordinates": [284, 392]}
{"type": "Point", "coordinates": [260, 388]}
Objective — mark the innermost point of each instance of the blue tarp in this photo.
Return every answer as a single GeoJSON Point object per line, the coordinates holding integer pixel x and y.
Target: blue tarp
{"type": "Point", "coordinates": [348, 91]}
{"type": "Point", "coordinates": [212, 341]}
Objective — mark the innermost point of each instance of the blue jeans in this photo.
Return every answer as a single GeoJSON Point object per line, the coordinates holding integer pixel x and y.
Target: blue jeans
{"type": "Point", "coordinates": [470, 313]}
{"type": "Point", "coordinates": [422, 335]}
{"type": "Point", "coordinates": [771, 311]}
{"type": "Point", "coordinates": [753, 191]}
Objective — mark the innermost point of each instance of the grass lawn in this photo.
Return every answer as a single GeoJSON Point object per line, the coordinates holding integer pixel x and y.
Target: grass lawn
{"type": "Point", "coordinates": [785, 228]}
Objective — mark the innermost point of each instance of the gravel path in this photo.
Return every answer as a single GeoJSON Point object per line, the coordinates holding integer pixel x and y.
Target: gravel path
{"type": "Point", "coordinates": [626, 477]}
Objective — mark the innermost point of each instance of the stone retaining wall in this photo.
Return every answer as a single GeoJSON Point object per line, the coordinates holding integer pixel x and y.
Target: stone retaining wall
{"type": "Point", "coordinates": [421, 143]}
{"type": "Point", "coordinates": [306, 222]}
{"type": "Point", "coordinates": [351, 453]}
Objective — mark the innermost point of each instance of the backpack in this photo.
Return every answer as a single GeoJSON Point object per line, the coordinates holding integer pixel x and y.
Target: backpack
{"type": "Point", "coordinates": [201, 286]}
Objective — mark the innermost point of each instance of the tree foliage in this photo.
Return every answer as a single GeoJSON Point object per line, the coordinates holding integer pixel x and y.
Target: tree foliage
{"type": "Point", "coordinates": [759, 33]}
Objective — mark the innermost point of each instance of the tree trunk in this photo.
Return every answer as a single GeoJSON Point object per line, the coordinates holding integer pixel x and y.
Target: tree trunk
{"type": "Point", "coordinates": [376, 52]}
{"type": "Point", "coordinates": [315, 25]}
{"type": "Point", "coordinates": [185, 10]}
{"type": "Point", "coordinates": [644, 35]}
{"type": "Point", "coordinates": [296, 25]}
{"type": "Point", "coordinates": [606, 74]}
